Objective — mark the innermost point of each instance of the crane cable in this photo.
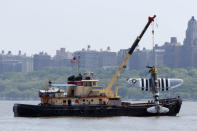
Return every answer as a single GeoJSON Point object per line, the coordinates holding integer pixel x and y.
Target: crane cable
{"type": "Point", "coordinates": [153, 43]}
{"type": "Point", "coordinates": [153, 33]}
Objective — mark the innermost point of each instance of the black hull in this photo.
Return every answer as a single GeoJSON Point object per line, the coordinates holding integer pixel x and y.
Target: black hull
{"type": "Point", "coordinates": [139, 109]}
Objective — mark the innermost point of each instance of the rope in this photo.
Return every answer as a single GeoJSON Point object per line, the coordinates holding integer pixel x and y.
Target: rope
{"type": "Point", "coordinates": [153, 43]}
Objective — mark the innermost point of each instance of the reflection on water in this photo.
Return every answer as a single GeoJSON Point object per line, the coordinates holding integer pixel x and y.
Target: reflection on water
{"type": "Point", "coordinates": [185, 121]}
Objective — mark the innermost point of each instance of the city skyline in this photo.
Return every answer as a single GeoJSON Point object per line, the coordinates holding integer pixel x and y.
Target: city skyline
{"type": "Point", "coordinates": [87, 48]}
{"type": "Point", "coordinates": [34, 26]}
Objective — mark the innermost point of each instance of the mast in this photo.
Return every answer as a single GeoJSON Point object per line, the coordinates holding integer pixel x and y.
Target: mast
{"type": "Point", "coordinates": [107, 90]}
{"type": "Point", "coordinates": [78, 63]}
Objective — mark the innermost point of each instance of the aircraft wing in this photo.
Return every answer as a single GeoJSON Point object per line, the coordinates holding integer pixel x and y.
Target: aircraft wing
{"type": "Point", "coordinates": [164, 84]}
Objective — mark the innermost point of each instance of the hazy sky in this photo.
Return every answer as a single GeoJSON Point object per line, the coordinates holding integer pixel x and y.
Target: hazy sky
{"type": "Point", "coordinates": [46, 25]}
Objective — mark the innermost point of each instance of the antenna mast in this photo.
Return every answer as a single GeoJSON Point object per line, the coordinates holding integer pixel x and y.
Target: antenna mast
{"type": "Point", "coordinates": [78, 63]}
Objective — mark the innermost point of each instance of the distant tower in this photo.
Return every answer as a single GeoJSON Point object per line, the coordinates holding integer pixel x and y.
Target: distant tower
{"type": "Point", "coordinates": [189, 50]}
{"type": "Point", "coordinates": [9, 52]}
{"type": "Point", "coordinates": [62, 50]}
{"type": "Point", "coordinates": [19, 52]}
{"type": "Point", "coordinates": [83, 49]}
{"type": "Point", "coordinates": [88, 47]}
{"type": "Point", "coordinates": [108, 48]}
{"type": "Point", "coordinates": [191, 33]}
{"type": "Point", "coordinates": [173, 40]}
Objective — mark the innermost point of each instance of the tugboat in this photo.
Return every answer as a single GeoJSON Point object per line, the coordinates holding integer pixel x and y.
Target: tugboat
{"type": "Point", "coordinates": [84, 97]}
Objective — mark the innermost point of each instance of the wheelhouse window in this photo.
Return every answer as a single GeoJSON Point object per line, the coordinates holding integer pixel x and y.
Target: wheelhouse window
{"type": "Point", "coordinates": [100, 101]}
{"type": "Point", "coordinates": [87, 83]}
{"type": "Point", "coordinates": [94, 83]}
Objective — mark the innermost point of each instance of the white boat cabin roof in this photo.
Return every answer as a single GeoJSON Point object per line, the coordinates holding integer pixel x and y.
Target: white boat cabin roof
{"type": "Point", "coordinates": [90, 80]}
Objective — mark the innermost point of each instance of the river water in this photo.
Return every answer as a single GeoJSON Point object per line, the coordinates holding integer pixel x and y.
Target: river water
{"type": "Point", "coordinates": [186, 120]}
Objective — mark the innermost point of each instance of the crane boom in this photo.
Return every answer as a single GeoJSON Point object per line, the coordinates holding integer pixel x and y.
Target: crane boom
{"type": "Point", "coordinates": [108, 91]}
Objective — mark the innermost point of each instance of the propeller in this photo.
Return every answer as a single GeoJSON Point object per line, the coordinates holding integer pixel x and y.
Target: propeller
{"type": "Point", "coordinates": [145, 73]}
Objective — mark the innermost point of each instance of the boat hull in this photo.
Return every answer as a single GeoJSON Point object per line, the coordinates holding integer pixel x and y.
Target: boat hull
{"type": "Point", "coordinates": [126, 109]}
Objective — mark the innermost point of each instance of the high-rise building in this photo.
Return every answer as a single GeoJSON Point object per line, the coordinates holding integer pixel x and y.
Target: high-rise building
{"type": "Point", "coordinates": [62, 58]}
{"type": "Point", "coordinates": [15, 63]}
{"type": "Point", "coordinates": [41, 61]}
{"type": "Point", "coordinates": [91, 59]}
{"type": "Point", "coordinates": [189, 51]}
{"type": "Point", "coordinates": [107, 59]}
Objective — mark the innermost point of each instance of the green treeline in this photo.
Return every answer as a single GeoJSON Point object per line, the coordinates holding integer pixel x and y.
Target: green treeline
{"type": "Point", "coordinates": [26, 85]}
